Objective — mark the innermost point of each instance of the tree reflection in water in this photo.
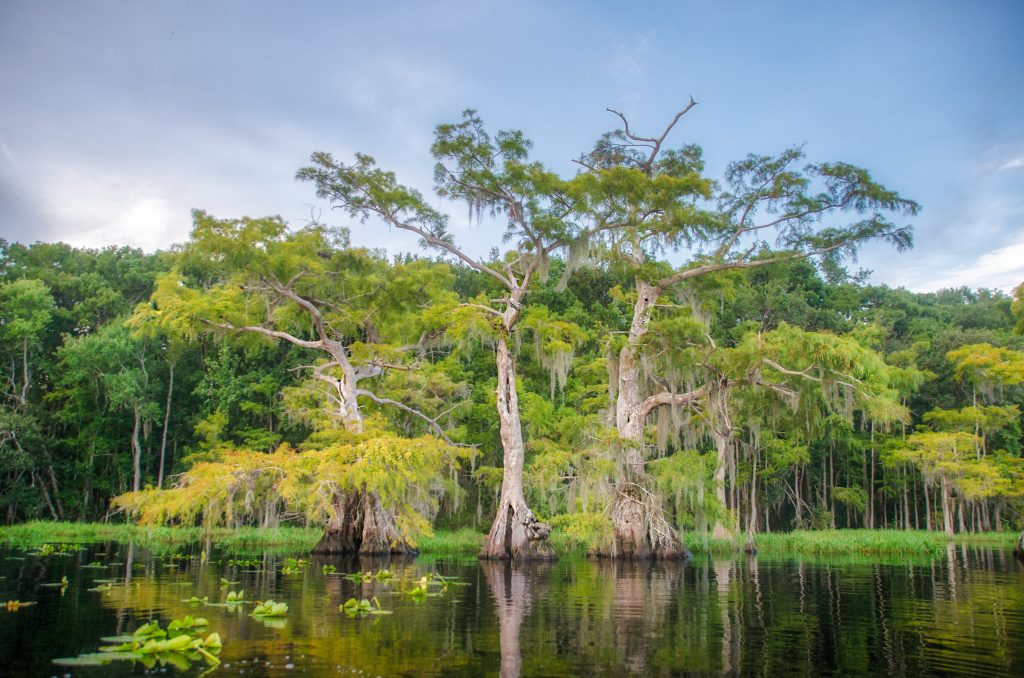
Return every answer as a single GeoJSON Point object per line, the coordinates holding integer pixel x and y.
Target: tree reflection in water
{"type": "Point", "coordinates": [961, 612]}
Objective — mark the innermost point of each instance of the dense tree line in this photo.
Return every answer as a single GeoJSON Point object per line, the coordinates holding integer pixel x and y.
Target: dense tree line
{"type": "Point", "coordinates": [586, 379]}
{"type": "Point", "coordinates": [79, 377]}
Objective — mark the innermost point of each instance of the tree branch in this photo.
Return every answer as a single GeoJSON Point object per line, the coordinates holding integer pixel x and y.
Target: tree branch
{"type": "Point", "coordinates": [402, 406]}
{"type": "Point", "coordinates": [670, 398]}
{"type": "Point", "coordinates": [668, 281]}
{"type": "Point", "coordinates": [431, 239]}
{"type": "Point", "coordinates": [276, 334]}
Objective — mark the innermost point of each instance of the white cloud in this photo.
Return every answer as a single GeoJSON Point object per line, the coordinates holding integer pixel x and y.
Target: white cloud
{"type": "Point", "coordinates": [1001, 268]}
{"type": "Point", "coordinates": [9, 155]}
{"type": "Point", "coordinates": [1012, 163]}
{"type": "Point", "coordinates": [149, 223]}
{"type": "Point", "coordinates": [628, 71]}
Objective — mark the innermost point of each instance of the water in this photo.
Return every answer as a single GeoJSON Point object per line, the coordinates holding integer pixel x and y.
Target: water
{"type": "Point", "coordinates": [959, 614]}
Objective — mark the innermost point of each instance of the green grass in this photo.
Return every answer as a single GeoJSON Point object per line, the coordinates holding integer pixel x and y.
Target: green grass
{"type": "Point", "coordinates": [841, 542]}
{"type": "Point", "coordinates": [237, 539]}
{"type": "Point", "coordinates": [468, 541]}
{"type": "Point", "coordinates": [463, 542]}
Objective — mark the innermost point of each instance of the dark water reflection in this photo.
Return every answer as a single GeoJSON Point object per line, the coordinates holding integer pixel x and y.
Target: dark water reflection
{"type": "Point", "coordinates": [958, 614]}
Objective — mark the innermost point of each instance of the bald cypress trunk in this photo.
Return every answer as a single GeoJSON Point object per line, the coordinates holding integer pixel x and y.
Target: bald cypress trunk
{"type": "Point", "coordinates": [720, 531]}
{"type": "Point", "coordinates": [639, 525]}
{"type": "Point", "coordinates": [947, 510]}
{"type": "Point", "coordinates": [136, 452]}
{"type": "Point", "coordinates": [752, 523]}
{"type": "Point", "coordinates": [516, 534]}
{"type": "Point", "coordinates": [360, 523]}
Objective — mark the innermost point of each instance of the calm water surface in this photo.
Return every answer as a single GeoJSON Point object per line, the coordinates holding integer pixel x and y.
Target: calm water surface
{"type": "Point", "coordinates": [959, 614]}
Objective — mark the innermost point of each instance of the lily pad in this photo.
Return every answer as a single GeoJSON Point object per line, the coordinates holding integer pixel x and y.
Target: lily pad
{"type": "Point", "coordinates": [95, 658]}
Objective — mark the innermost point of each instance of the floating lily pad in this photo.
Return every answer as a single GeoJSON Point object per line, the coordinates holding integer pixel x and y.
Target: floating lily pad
{"type": "Point", "coordinates": [95, 658]}
{"type": "Point", "coordinates": [270, 609]}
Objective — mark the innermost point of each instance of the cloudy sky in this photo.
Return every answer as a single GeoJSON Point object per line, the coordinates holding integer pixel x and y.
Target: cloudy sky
{"type": "Point", "coordinates": [117, 118]}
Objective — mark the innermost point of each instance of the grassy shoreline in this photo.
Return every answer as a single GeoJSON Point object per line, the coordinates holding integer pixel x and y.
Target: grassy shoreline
{"type": "Point", "coordinates": [468, 541]}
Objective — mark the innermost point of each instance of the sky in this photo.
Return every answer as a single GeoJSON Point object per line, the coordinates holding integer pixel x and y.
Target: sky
{"type": "Point", "coordinates": [118, 118]}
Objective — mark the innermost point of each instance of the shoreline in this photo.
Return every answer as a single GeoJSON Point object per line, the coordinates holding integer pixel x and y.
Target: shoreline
{"type": "Point", "coordinates": [467, 541]}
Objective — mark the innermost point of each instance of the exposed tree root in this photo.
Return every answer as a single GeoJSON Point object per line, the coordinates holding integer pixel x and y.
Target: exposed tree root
{"type": "Point", "coordinates": [361, 525]}
{"type": "Point", "coordinates": [641, 530]}
{"type": "Point", "coordinates": [517, 535]}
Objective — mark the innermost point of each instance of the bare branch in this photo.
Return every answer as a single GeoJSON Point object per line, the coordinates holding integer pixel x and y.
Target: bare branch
{"type": "Point", "coordinates": [668, 281]}
{"type": "Point", "coordinates": [661, 139]}
{"type": "Point", "coordinates": [430, 239]}
{"type": "Point", "coordinates": [670, 398]}
{"type": "Point", "coordinates": [486, 309]}
{"type": "Point", "coordinates": [804, 374]}
{"type": "Point", "coordinates": [653, 143]}
{"type": "Point", "coordinates": [629, 134]}
{"type": "Point", "coordinates": [310, 308]}
{"type": "Point", "coordinates": [276, 334]}
{"type": "Point", "coordinates": [402, 406]}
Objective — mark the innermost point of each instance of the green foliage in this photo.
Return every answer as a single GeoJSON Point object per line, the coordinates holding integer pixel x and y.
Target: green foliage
{"type": "Point", "coordinates": [151, 646]}
{"type": "Point", "coordinates": [852, 400]}
{"type": "Point", "coordinates": [27, 307]}
{"type": "Point", "coordinates": [585, 531]}
{"type": "Point", "coordinates": [243, 483]}
{"type": "Point", "coordinates": [270, 609]}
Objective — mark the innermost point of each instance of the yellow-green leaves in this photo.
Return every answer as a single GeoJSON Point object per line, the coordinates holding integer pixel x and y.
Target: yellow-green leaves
{"type": "Point", "coordinates": [270, 609]}
{"type": "Point", "coordinates": [407, 474]}
{"type": "Point", "coordinates": [555, 341]}
{"type": "Point", "coordinates": [986, 365]}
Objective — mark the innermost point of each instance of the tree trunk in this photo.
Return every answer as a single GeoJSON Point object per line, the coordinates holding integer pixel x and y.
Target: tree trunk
{"type": "Point", "coordinates": [722, 450]}
{"type": "Point", "coordinates": [871, 498]}
{"type": "Point", "coordinates": [639, 525]}
{"type": "Point", "coordinates": [46, 495]}
{"type": "Point", "coordinates": [362, 525]}
{"type": "Point", "coordinates": [1019, 551]}
{"type": "Point", "coordinates": [136, 452]}
{"type": "Point", "coordinates": [24, 371]}
{"type": "Point", "coordinates": [167, 421]}
{"type": "Point", "coordinates": [947, 512]}
{"type": "Point", "coordinates": [516, 533]}
{"type": "Point", "coordinates": [906, 500]}
{"type": "Point", "coordinates": [927, 508]}
{"type": "Point", "coordinates": [56, 490]}
{"type": "Point", "coordinates": [752, 522]}
{"type": "Point", "coordinates": [796, 491]}
{"type": "Point", "coordinates": [832, 482]}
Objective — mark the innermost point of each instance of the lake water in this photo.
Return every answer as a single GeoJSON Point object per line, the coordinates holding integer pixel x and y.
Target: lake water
{"type": "Point", "coordinates": [962, 613]}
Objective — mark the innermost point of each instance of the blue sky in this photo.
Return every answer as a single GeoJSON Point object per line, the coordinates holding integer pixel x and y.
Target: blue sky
{"type": "Point", "coordinates": [117, 118]}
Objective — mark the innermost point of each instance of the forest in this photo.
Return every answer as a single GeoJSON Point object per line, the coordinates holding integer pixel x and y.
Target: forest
{"type": "Point", "coordinates": [648, 358]}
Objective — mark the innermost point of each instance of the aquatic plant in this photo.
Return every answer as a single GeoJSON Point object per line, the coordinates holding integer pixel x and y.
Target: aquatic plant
{"type": "Point", "coordinates": [357, 608]}
{"type": "Point", "coordinates": [15, 605]}
{"type": "Point", "coordinates": [270, 609]}
{"type": "Point", "coordinates": [367, 577]}
{"type": "Point", "coordinates": [187, 622]}
{"type": "Point", "coordinates": [151, 645]}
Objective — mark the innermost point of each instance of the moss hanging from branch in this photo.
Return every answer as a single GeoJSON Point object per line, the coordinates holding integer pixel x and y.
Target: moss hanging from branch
{"type": "Point", "coordinates": [408, 475]}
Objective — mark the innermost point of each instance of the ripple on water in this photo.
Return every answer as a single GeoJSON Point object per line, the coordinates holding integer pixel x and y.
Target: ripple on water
{"type": "Point", "coordinates": [961, 613]}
